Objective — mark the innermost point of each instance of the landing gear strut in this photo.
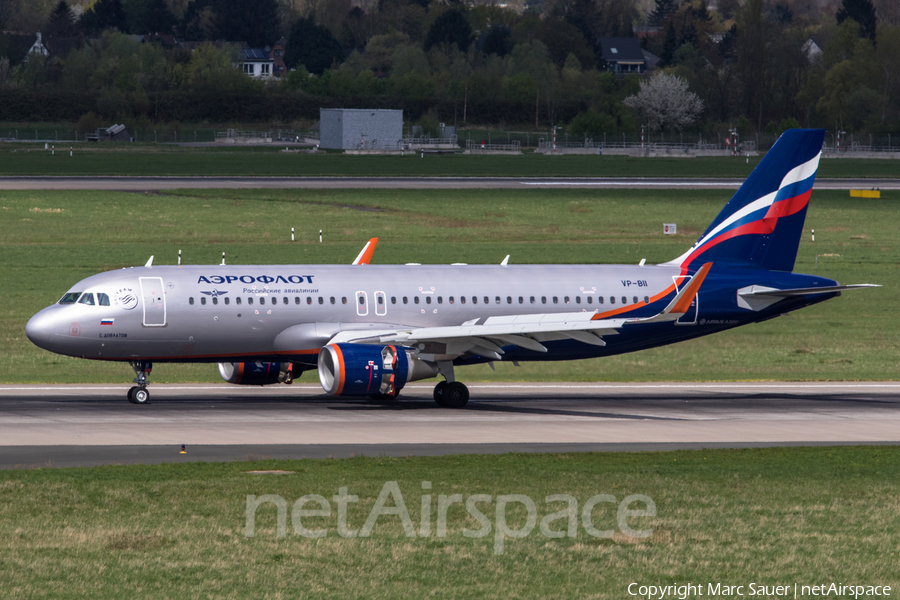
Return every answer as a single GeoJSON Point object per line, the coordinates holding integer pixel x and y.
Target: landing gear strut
{"type": "Point", "coordinates": [139, 394]}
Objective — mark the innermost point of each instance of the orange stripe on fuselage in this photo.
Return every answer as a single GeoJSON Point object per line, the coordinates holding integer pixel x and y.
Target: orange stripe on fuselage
{"type": "Point", "coordinates": [631, 307]}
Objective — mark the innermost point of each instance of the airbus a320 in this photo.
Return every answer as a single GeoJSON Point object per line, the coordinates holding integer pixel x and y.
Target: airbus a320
{"type": "Point", "coordinates": [369, 330]}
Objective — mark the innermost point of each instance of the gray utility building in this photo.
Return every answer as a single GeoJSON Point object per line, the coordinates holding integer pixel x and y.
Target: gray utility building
{"type": "Point", "coordinates": [360, 129]}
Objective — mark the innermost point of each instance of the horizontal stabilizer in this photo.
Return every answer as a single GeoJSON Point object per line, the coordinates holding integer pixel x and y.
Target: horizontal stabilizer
{"type": "Point", "coordinates": [758, 297]}
{"type": "Point", "coordinates": [761, 291]}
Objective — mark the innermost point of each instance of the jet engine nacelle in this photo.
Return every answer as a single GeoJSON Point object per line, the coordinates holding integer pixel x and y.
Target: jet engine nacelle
{"type": "Point", "coordinates": [369, 370]}
{"type": "Point", "coordinates": [256, 373]}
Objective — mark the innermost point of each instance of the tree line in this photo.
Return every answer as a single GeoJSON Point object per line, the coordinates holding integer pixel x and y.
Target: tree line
{"type": "Point", "coordinates": [753, 65]}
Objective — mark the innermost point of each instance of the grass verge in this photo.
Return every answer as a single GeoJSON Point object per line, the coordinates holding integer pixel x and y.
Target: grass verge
{"type": "Point", "coordinates": [765, 516]}
{"type": "Point", "coordinates": [151, 159]}
{"type": "Point", "coordinates": [51, 239]}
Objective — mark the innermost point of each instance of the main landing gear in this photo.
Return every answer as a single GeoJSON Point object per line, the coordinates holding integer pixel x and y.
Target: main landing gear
{"type": "Point", "coordinates": [451, 395]}
{"type": "Point", "coordinates": [139, 394]}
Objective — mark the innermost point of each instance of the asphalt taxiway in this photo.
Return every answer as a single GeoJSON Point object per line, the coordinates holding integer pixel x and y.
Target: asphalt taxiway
{"type": "Point", "coordinates": [154, 184]}
{"type": "Point", "coordinates": [70, 425]}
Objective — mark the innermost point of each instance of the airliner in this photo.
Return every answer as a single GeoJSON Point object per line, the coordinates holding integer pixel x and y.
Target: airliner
{"type": "Point", "coordinates": [368, 330]}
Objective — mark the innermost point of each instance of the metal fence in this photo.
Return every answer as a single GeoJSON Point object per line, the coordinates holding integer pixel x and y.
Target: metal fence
{"type": "Point", "coordinates": [473, 146]}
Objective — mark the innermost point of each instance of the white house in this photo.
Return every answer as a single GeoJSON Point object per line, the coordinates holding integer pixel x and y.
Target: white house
{"type": "Point", "coordinates": [257, 63]}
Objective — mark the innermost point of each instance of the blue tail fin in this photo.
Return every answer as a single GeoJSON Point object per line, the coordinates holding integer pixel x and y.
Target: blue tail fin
{"type": "Point", "coordinates": [762, 223]}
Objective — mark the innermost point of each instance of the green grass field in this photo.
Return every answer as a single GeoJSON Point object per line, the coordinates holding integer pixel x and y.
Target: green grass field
{"type": "Point", "coordinates": [152, 159]}
{"type": "Point", "coordinates": [51, 239]}
{"type": "Point", "coordinates": [735, 517]}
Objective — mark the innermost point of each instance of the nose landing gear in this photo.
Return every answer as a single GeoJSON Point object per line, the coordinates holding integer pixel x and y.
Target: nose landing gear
{"type": "Point", "coordinates": [139, 394]}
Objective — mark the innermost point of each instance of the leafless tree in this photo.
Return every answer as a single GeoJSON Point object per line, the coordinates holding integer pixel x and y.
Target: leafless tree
{"type": "Point", "coordinates": [666, 103]}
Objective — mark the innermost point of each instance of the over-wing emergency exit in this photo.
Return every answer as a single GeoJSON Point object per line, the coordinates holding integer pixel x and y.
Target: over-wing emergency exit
{"type": "Point", "coordinates": [370, 329]}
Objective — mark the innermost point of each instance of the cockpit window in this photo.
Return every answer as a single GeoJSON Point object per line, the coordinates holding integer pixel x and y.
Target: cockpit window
{"type": "Point", "coordinates": [70, 298]}
{"type": "Point", "coordinates": [102, 299]}
{"type": "Point", "coordinates": [86, 299]}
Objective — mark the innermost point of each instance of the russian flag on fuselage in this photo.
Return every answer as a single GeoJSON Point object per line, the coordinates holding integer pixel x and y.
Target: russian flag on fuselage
{"type": "Point", "coordinates": [762, 223]}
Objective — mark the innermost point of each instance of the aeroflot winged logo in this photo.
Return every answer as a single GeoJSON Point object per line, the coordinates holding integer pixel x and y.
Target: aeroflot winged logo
{"type": "Point", "coordinates": [256, 279]}
{"type": "Point", "coordinates": [214, 293]}
{"type": "Point", "coordinates": [126, 298]}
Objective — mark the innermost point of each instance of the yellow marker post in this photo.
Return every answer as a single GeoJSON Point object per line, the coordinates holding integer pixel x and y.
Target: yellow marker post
{"type": "Point", "coordinates": [865, 193]}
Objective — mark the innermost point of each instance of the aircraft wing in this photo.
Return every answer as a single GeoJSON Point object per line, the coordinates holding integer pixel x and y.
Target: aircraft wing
{"type": "Point", "coordinates": [526, 331]}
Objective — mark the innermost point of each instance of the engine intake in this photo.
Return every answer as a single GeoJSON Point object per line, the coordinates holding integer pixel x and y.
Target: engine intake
{"type": "Point", "coordinates": [257, 373]}
{"type": "Point", "coordinates": [369, 370]}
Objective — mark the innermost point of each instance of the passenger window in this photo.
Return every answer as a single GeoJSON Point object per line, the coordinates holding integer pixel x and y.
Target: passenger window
{"type": "Point", "coordinates": [362, 299]}
{"type": "Point", "coordinates": [415, 299]}
{"type": "Point", "coordinates": [555, 300]}
{"type": "Point", "coordinates": [86, 299]}
{"type": "Point", "coordinates": [285, 300]}
{"type": "Point", "coordinates": [509, 299]}
{"type": "Point", "coordinates": [487, 300]}
{"type": "Point", "coordinates": [531, 299]}
{"type": "Point", "coordinates": [227, 301]}
{"type": "Point", "coordinates": [203, 301]}
{"type": "Point", "coordinates": [249, 300]}
{"type": "Point", "coordinates": [102, 299]}
{"type": "Point", "coordinates": [599, 299]}
{"type": "Point", "coordinates": [646, 299]}
{"type": "Point", "coordinates": [296, 299]}
{"type": "Point", "coordinates": [521, 300]}
{"type": "Point", "coordinates": [635, 301]}
{"type": "Point", "coordinates": [321, 300]}
{"type": "Point", "coordinates": [566, 299]}
{"type": "Point", "coordinates": [474, 299]}
{"type": "Point", "coordinates": [497, 299]}
{"type": "Point", "coordinates": [237, 300]}
{"type": "Point", "coordinates": [70, 298]}
{"type": "Point", "coordinates": [405, 300]}
{"type": "Point", "coordinates": [343, 299]}
{"type": "Point", "coordinates": [309, 299]}
{"type": "Point", "coordinates": [332, 300]}
{"type": "Point", "coordinates": [451, 299]}
{"type": "Point", "coordinates": [427, 299]}
{"type": "Point", "coordinates": [379, 299]}
{"type": "Point", "coordinates": [590, 300]}
{"type": "Point", "coordinates": [215, 300]}
{"type": "Point", "coordinates": [577, 299]}
{"type": "Point", "coordinates": [624, 300]}
{"type": "Point", "coordinates": [262, 299]}
{"type": "Point", "coordinates": [191, 301]}
{"type": "Point", "coordinates": [462, 299]}
{"type": "Point", "coordinates": [393, 299]}
{"type": "Point", "coordinates": [543, 299]}
{"type": "Point", "coordinates": [440, 299]}
{"type": "Point", "coordinates": [612, 299]}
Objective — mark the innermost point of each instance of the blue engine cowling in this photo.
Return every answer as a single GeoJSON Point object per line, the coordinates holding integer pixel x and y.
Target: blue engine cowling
{"type": "Point", "coordinates": [363, 370]}
{"type": "Point", "coordinates": [256, 373]}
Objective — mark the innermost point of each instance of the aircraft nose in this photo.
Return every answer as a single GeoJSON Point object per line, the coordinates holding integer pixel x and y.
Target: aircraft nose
{"type": "Point", "coordinates": [39, 329]}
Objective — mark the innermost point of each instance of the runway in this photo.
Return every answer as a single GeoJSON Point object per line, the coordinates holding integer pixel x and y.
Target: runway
{"type": "Point", "coordinates": [70, 425]}
{"type": "Point", "coordinates": [152, 184]}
